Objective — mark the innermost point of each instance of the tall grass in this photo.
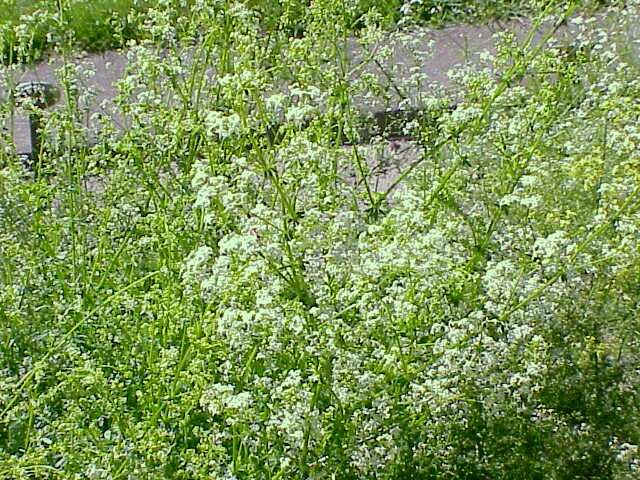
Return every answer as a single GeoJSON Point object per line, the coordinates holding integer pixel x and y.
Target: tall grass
{"type": "Point", "coordinates": [29, 29]}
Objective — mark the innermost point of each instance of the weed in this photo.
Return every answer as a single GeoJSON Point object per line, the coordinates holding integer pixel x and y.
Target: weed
{"type": "Point", "coordinates": [222, 292]}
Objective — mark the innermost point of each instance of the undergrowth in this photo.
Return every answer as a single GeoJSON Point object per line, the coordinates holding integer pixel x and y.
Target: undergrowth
{"type": "Point", "coordinates": [226, 289]}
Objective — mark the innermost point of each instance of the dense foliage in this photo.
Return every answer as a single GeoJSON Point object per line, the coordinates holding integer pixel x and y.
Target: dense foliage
{"type": "Point", "coordinates": [202, 297]}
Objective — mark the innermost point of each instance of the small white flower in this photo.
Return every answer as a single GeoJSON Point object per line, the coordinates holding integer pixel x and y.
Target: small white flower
{"type": "Point", "coordinates": [224, 126]}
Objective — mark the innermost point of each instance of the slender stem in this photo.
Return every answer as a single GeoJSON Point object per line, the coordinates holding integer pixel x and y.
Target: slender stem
{"type": "Point", "coordinates": [34, 134]}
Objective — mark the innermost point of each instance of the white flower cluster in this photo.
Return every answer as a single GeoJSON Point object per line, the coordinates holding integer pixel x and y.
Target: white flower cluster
{"type": "Point", "coordinates": [245, 303]}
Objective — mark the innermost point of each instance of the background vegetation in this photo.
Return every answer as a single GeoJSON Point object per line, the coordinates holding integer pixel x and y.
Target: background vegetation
{"type": "Point", "coordinates": [38, 25]}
